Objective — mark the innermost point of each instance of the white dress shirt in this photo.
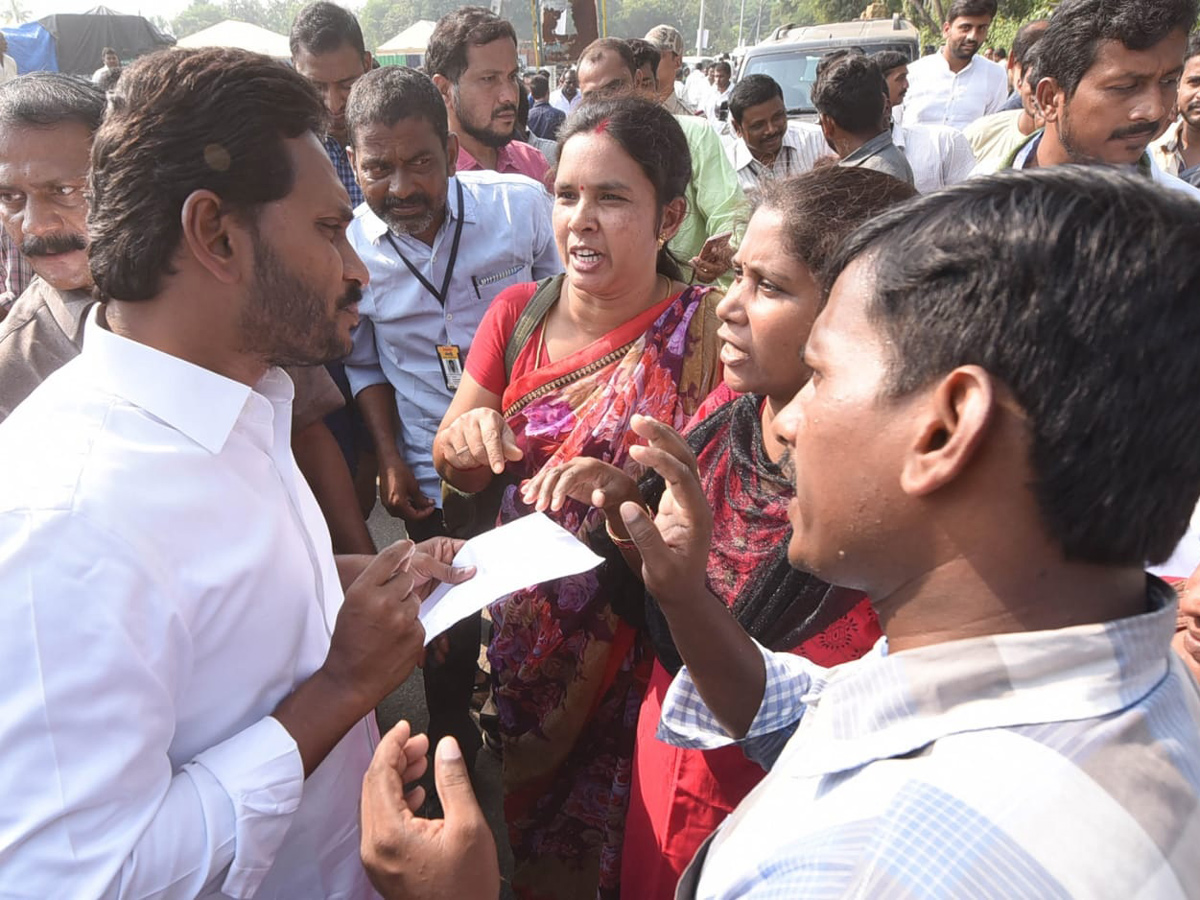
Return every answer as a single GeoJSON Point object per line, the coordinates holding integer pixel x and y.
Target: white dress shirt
{"type": "Point", "coordinates": [166, 579]}
{"type": "Point", "coordinates": [803, 145]}
{"type": "Point", "coordinates": [938, 96]}
{"type": "Point", "coordinates": [507, 239]}
{"type": "Point", "coordinates": [558, 101]}
{"type": "Point", "coordinates": [938, 154]}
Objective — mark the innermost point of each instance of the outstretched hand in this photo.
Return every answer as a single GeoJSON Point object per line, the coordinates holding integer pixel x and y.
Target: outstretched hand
{"type": "Point", "coordinates": [674, 547]}
{"type": "Point", "coordinates": [410, 858]}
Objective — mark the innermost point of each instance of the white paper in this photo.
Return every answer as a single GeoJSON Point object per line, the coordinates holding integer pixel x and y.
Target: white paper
{"type": "Point", "coordinates": [518, 555]}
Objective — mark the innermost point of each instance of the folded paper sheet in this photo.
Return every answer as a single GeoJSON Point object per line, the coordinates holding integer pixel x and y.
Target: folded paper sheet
{"type": "Point", "coordinates": [514, 556]}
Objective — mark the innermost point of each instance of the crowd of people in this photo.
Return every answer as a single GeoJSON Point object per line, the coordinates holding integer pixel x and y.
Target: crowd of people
{"type": "Point", "coordinates": [876, 422]}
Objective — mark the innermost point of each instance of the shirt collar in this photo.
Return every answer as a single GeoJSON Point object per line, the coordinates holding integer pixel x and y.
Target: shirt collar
{"type": "Point", "coordinates": [871, 147]}
{"type": "Point", "coordinates": [888, 706]}
{"type": "Point", "coordinates": [197, 402]}
{"type": "Point", "coordinates": [375, 228]}
{"type": "Point", "coordinates": [1019, 158]}
{"type": "Point", "coordinates": [742, 157]}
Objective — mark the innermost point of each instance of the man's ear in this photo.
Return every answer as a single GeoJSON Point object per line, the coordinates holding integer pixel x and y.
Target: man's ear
{"type": "Point", "coordinates": [1050, 99]}
{"type": "Point", "coordinates": [451, 154]}
{"type": "Point", "coordinates": [952, 425]}
{"type": "Point", "coordinates": [444, 86]}
{"type": "Point", "coordinates": [215, 238]}
{"type": "Point", "coordinates": [368, 61]}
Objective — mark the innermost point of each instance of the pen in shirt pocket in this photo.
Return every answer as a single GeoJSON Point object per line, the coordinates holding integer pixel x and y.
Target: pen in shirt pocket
{"type": "Point", "coordinates": [475, 284]}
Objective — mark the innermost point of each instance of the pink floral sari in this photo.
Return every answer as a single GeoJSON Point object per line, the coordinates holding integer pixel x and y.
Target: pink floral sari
{"type": "Point", "coordinates": [569, 672]}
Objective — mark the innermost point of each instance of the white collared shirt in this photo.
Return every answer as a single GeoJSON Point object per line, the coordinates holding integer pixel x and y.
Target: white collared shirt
{"type": "Point", "coordinates": [560, 102]}
{"type": "Point", "coordinates": [938, 154]}
{"type": "Point", "coordinates": [803, 145]}
{"type": "Point", "coordinates": [166, 579]}
{"type": "Point", "coordinates": [938, 96]}
{"type": "Point", "coordinates": [507, 238]}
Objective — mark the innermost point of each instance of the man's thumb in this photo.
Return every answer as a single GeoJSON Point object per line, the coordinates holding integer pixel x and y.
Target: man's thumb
{"type": "Point", "coordinates": [642, 529]}
{"type": "Point", "coordinates": [454, 784]}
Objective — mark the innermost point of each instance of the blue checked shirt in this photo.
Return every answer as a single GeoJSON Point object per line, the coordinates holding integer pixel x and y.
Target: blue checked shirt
{"type": "Point", "coordinates": [1041, 764]}
{"type": "Point", "coordinates": [345, 172]}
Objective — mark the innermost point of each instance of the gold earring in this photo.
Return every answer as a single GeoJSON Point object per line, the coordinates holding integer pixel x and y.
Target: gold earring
{"type": "Point", "coordinates": [661, 242]}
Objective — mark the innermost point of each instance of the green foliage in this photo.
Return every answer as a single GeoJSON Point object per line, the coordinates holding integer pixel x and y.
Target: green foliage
{"type": "Point", "coordinates": [274, 15]}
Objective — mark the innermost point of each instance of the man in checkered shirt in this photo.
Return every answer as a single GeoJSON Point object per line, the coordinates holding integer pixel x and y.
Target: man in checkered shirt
{"type": "Point", "coordinates": [999, 432]}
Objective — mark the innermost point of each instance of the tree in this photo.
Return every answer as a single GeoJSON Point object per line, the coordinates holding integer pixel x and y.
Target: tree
{"type": "Point", "coordinates": [200, 15]}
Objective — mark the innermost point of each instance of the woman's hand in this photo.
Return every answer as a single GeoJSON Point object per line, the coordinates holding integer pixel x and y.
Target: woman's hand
{"type": "Point", "coordinates": [479, 438]}
{"type": "Point", "coordinates": [674, 547]}
{"type": "Point", "coordinates": [589, 481]}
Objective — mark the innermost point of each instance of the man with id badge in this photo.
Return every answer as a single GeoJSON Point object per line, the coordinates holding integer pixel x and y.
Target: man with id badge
{"type": "Point", "coordinates": [439, 247]}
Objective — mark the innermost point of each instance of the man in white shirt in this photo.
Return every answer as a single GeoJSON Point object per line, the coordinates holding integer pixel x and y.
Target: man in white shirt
{"type": "Point", "coordinates": [190, 699]}
{"type": "Point", "coordinates": [938, 154]}
{"type": "Point", "coordinates": [110, 62]}
{"type": "Point", "coordinates": [8, 65]}
{"type": "Point", "coordinates": [955, 86]}
{"type": "Point", "coordinates": [767, 146]}
{"type": "Point", "coordinates": [1090, 46]}
{"type": "Point", "coordinates": [566, 96]}
{"type": "Point", "coordinates": [720, 93]}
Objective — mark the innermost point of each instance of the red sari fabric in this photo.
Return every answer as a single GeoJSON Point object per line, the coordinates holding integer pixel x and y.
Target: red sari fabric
{"type": "Point", "coordinates": [568, 672]}
{"type": "Point", "coordinates": [678, 796]}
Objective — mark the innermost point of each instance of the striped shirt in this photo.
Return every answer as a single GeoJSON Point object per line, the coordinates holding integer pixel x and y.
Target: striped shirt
{"type": "Point", "coordinates": [1039, 764]}
{"type": "Point", "coordinates": [803, 145]}
{"type": "Point", "coordinates": [345, 171]}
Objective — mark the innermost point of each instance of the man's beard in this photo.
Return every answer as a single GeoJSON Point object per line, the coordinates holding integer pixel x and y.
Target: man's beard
{"type": "Point", "coordinates": [964, 50]}
{"type": "Point", "coordinates": [482, 133]}
{"type": "Point", "coordinates": [285, 321]}
{"type": "Point", "coordinates": [410, 224]}
{"type": "Point", "coordinates": [1191, 113]}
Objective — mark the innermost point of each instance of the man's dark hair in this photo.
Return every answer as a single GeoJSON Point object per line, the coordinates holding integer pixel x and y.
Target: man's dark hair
{"type": "Point", "coordinates": [1077, 28]}
{"type": "Point", "coordinates": [652, 138]}
{"type": "Point", "coordinates": [386, 95]}
{"type": "Point", "coordinates": [47, 99]}
{"type": "Point", "coordinates": [852, 92]}
{"type": "Point", "coordinates": [323, 27]}
{"type": "Point", "coordinates": [1000, 54]}
{"type": "Point", "coordinates": [1076, 288]}
{"type": "Point", "coordinates": [751, 91]}
{"type": "Point", "coordinates": [1028, 35]}
{"type": "Point", "coordinates": [539, 87]}
{"type": "Point", "coordinates": [598, 47]}
{"type": "Point", "coordinates": [106, 51]}
{"type": "Point", "coordinates": [468, 26]}
{"type": "Point", "coordinates": [182, 121]}
{"type": "Point", "coordinates": [644, 52]}
{"type": "Point", "coordinates": [890, 59]}
{"type": "Point", "coordinates": [1193, 46]}
{"type": "Point", "coordinates": [971, 8]}
{"type": "Point", "coordinates": [722, 64]}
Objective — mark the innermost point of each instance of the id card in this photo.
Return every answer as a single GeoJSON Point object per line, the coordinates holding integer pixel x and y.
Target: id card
{"type": "Point", "coordinates": [451, 362]}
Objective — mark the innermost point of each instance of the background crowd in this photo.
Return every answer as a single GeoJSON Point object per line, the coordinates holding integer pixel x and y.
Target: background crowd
{"type": "Point", "coordinates": [876, 421]}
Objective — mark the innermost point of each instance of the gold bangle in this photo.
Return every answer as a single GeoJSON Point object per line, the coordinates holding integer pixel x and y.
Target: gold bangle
{"type": "Point", "coordinates": [621, 542]}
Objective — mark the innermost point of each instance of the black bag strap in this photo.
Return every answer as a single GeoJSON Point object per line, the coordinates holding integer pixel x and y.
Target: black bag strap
{"type": "Point", "coordinates": [535, 310]}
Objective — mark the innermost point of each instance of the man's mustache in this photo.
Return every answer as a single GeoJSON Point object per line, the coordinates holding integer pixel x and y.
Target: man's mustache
{"type": "Point", "coordinates": [353, 295]}
{"type": "Point", "coordinates": [393, 204]}
{"type": "Point", "coordinates": [52, 244]}
{"type": "Point", "coordinates": [1137, 131]}
{"type": "Point", "coordinates": [506, 108]}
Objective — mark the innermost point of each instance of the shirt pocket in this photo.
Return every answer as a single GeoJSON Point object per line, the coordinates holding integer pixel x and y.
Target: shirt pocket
{"type": "Point", "coordinates": [488, 285]}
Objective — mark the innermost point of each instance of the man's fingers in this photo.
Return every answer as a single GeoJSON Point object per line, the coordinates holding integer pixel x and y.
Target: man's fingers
{"type": "Point", "coordinates": [682, 481]}
{"type": "Point", "coordinates": [454, 785]}
{"type": "Point", "coordinates": [384, 782]}
{"type": "Point", "coordinates": [430, 567]}
{"type": "Point", "coordinates": [664, 437]}
{"type": "Point", "coordinates": [387, 563]}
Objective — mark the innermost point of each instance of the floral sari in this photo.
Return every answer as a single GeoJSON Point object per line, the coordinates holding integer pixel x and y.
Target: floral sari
{"type": "Point", "coordinates": [569, 672]}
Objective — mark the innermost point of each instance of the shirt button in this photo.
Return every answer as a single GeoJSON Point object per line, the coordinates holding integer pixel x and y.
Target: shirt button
{"type": "Point", "coordinates": [449, 317]}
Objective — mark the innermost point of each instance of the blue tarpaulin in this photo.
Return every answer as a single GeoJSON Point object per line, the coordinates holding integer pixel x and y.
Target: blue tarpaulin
{"type": "Point", "coordinates": [32, 46]}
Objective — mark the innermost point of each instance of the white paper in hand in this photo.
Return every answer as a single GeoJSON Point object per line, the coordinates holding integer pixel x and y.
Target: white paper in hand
{"type": "Point", "coordinates": [514, 556]}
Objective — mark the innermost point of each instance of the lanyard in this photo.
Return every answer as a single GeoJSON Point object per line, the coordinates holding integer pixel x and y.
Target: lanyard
{"type": "Point", "coordinates": [458, 227]}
